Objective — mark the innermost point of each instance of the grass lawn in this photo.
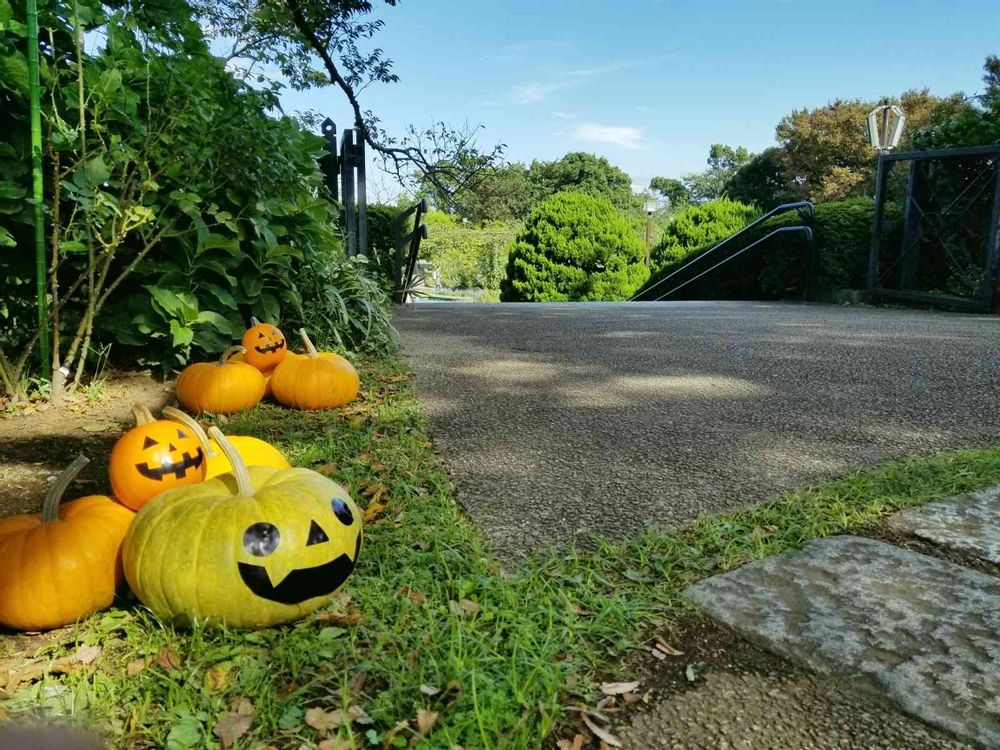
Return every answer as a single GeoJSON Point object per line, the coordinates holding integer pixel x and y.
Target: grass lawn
{"type": "Point", "coordinates": [430, 643]}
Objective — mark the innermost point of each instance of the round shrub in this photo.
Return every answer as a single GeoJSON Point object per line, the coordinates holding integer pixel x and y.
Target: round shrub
{"type": "Point", "coordinates": [697, 226]}
{"type": "Point", "coordinates": [574, 247]}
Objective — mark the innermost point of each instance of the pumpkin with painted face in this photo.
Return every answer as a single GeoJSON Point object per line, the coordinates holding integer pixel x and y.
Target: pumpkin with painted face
{"type": "Point", "coordinates": [154, 456]}
{"type": "Point", "coordinates": [63, 564]}
{"type": "Point", "coordinates": [265, 346]}
{"type": "Point", "coordinates": [253, 451]}
{"type": "Point", "coordinates": [254, 548]}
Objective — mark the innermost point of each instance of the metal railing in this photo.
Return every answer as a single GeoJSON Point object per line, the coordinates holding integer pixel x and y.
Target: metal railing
{"type": "Point", "coordinates": [802, 206]}
{"type": "Point", "coordinates": [407, 248]}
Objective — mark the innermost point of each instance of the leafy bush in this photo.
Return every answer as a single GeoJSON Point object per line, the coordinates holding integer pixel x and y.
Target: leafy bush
{"type": "Point", "coordinates": [781, 267]}
{"type": "Point", "coordinates": [574, 247]}
{"type": "Point", "coordinates": [382, 244]}
{"type": "Point", "coordinates": [190, 204]}
{"type": "Point", "coordinates": [697, 226]}
{"type": "Point", "coordinates": [467, 256]}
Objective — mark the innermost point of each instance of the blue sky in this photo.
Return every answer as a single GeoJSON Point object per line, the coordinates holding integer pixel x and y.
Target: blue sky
{"type": "Point", "coordinates": [651, 84]}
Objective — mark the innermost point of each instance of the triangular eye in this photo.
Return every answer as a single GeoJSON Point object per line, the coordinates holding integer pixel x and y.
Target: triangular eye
{"type": "Point", "coordinates": [260, 334]}
{"type": "Point", "coordinates": [181, 434]}
{"type": "Point", "coordinates": [148, 442]}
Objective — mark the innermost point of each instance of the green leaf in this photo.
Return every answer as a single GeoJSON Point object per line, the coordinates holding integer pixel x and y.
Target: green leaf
{"type": "Point", "coordinates": [97, 171]}
{"type": "Point", "coordinates": [73, 246]}
{"type": "Point", "coordinates": [219, 323]}
{"type": "Point", "coordinates": [182, 336]}
{"type": "Point", "coordinates": [6, 239]}
{"type": "Point", "coordinates": [252, 283]}
{"type": "Point", "coordinates": [185, 733]}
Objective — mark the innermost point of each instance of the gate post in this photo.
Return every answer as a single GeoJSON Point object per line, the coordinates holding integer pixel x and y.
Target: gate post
{"type": "Point", "coordinates": [329, 162]}
{"type": "Point", "coordinates": [347, 184]}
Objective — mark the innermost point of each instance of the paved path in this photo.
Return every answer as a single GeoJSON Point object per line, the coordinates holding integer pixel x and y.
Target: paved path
{"type": "Point", "coordinates": [564, 418]}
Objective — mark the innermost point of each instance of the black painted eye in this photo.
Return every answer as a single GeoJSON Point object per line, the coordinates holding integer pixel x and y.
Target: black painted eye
{"type": "Point", "coordinates": [260, 334]}
{"type": "Point", "coordinates": [148, 442]}
{"type": "Point", "coordinates": [170, 447]}
{"type": "Point", "coordinates": [181, 434]}
{"type": "Point", "coordinates": [261, 539]}
{"type": "Point", "coordinates": [342, 512]}
{"type": "Point", "coordinates": [316, 535]}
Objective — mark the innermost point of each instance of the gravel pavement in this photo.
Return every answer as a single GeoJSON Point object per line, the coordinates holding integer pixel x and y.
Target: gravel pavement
{"type": "Point", "coordinates": [608, 418]}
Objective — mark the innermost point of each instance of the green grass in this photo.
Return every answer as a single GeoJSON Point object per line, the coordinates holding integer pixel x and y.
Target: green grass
{"type": "Point", "coordinates": [436, 612]}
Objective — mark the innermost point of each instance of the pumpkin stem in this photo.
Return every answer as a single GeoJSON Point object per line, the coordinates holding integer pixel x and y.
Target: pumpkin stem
{"type": "Point", "coordinates": [141, 414]}
{"type": "Point", "coordinates": [50, 505]}
{"type": "Point", "coordinates": [192, 424]}
{"type": "Point", "coordinates": [240, 470]}
{"type": "Point", "coordinates": [254, 321]}
{"type": "Point", "coordinates": [308, 342]}
{"type": "Point", "coordinates": [230, 352]}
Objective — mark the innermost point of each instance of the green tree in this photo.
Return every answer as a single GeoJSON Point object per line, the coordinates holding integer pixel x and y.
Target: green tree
{"type": "Point", "coordinates": [761, 181]}
{"type": "Point", "coordinates": [495, 193]}
{"type": "Point", "coordinates": [673, 190]}
{"type": "Point", "coordinates": [574, 247]}
{"type": "Point", "coordinates": [723, 161]}
{"type": "Point", "coordinates": [585, 173]}
{"type": "Point", "coordinates": [828, 155]}
{"type": "Point", "coordinates": [466, 255]}
{"type": "Point", "coordinates": [976, 125]}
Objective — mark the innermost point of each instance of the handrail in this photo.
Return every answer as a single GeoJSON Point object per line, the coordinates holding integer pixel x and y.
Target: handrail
{"type": "Point", "coordinates": [773, 212]}
{"type": "Point", "coordinates": [798, 228]}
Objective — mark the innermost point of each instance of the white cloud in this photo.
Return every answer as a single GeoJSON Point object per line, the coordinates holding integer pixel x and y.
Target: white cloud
{"type": "Point", "coordinates": [533, 93]}
{"type": "Point", "coordinates": [616, 135]}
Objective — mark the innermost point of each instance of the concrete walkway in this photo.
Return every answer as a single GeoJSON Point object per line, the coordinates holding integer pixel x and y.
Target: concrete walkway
{"type": "Point", "coordinates": [558, 419]}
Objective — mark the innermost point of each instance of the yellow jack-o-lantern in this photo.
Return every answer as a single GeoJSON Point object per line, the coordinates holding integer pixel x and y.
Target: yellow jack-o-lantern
{"type": "Point", "coordinates": [254, 548]}
{"type": "Point", "coordinates": [154, 456]}
{"type": "Point", "coordinates": [253, 451]}
{"type": "Point", "coordinates": [265, 346]}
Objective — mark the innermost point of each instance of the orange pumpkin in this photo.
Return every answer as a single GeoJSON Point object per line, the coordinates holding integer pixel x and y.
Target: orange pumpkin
{"type": "Point", "coordinates": [265, 346]}
{"type": "Point", "coordinates": [315, 381]}
{"type": "Point", "coordinates": [253, 451]}
{"type": "Point", "coordinates": [154, 456]}
{"type": "Point", "coordinates": [221, 387]}
{"type": "Point", "coordinates": [63, 564]}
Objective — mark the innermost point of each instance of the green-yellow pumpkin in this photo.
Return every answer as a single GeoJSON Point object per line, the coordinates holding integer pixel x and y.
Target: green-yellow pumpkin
{"type": "Point", "coordinates": [254, 548]}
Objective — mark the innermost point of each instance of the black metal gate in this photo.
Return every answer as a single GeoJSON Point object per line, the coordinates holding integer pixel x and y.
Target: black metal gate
{"type": "Point", "coordinates": [344, 169]}
{"type": "Point", "coordinates": [936, 232]}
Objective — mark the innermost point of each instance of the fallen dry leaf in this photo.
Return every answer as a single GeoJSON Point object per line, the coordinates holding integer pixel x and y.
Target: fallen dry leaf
{"type": "Point", "coordinates": [602, 734]}
{"type": "Point", "coordinates": [327, 469]}
{"type": "Point", "coordinates": [233, 725]}
{"type": "Point", "coordinates": [357, 714]}
{"type": "Point", "coordinates": [631, 698]}
{"type": "Point", "coordinates": [576, 743]}
{"type": "Point", "coordinates": [169, 660]}
{"type": "Point", "coordinates": [462, 608]}
{"type": "Point", "coordinates": [429, 690]}
{"type": "Point", "coordinates": [618, 688]}
{"type": "Point", "coordinates": [337, 744]}
{"type": "Point", "coordinates": [324, 721]}
{"type": "Point", "coordinates": [87, 654]}
{"type": "Point", "coordinates": [345, 619]}
{"type": "Point", "coordinates": [217, 678]}
{"type": "Point", "coordinates": [413, 595]}
{"type": "Point", "coordinates": [135, 666]}
{"type": "Point", "coordinates": [425, 721]}
{"type": "Point", "coordinates": [662, 645]}
{"type": "Point", "coordinates": [373, 511]}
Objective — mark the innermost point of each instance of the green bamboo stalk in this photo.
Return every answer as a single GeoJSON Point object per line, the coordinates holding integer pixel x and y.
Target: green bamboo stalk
{"type": "Point", "coordinates": [35, 87]}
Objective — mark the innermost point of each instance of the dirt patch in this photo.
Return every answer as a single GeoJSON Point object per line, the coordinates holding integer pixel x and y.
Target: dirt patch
{"type": "Point", "coordinates": [885, 533]}
{"type": "Point", "coordinates": [37, 440]}
{"type": "Point", "coordinates": [724, 692]}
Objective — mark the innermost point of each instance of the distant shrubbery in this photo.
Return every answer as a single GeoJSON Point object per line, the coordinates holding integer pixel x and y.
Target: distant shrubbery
{"type": "Point", "coordinates": [697, 226]}
{"type": "Point", "coordinates": [780, 268]}
{"type": "Point", "coordinates": [574, 247]}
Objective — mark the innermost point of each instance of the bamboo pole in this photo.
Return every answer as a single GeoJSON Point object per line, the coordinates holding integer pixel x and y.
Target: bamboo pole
{"type": "Point", "coordinates": [34, 85]}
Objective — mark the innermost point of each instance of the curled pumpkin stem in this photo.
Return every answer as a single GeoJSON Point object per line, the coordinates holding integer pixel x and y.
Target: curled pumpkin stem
{"type": "Point", "coordinates": [254, 321]}
{"type": "Point", "coordinates": [50, 505]}
{"type": "Point", "coordinates": [230, 352]}
{"type": "Point", "coordinates": [308, 342]}
{"type": "Point", "coordinates": [192, 424]}
{"type": "Point", "coordinates": [240, 471]}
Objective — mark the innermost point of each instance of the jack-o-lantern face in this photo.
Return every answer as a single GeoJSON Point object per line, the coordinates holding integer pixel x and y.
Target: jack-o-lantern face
{"type": "Point", "coordinates": [265, 346]}
{"type": "Point", "coordinates": [154, 456]}
{"type": "Point", "coordinates": [263, 546]}
{"type": "Point", "coordinates": [268, 578]}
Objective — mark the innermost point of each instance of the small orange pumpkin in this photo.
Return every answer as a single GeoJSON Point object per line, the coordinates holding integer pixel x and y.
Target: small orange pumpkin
{"type": "Point", "coordinates": [154, 456]}
{"type": "Point", "coordinates": [63, 564]}
{"type": "Point", "coordinates": [265, 346]}
{"type": "Point", "coordinates": [221, 387]}
{"type": "Point", "coordinates": [315, 381]}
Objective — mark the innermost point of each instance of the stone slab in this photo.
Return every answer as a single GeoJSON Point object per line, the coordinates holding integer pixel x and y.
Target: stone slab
{"type": "Point", "coordinates": [969, 524]}
{"type": "Point", "coordinates": [921, 632]}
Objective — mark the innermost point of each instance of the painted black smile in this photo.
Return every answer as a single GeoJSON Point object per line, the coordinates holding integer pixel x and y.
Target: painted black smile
{"type": "Point", "coordinates": [179, 470]}
{"type": "Point", "coordinates": [270, 348]}
{"type": "Point", "coordinates": [301, 584]}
